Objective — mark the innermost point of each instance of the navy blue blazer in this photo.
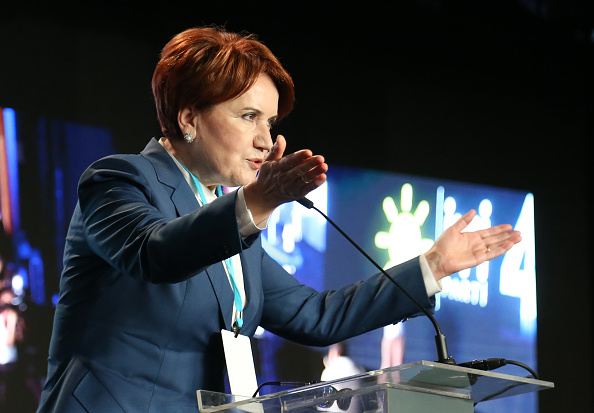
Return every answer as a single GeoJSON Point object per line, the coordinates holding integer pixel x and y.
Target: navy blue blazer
{"type": "Point", "coordinates": [143, 293]}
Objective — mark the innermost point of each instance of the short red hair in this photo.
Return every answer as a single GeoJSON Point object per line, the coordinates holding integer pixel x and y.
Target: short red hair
{"type": "Point", "coordinates": [201, 67]}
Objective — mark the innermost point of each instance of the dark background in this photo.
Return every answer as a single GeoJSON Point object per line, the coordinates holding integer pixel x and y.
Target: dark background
{"type": "Point", "coordinates": [495, 92]}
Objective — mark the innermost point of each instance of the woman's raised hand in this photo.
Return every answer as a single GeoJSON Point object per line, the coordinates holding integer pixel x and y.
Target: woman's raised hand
{"type": "Point", "coordinates": [283, 179]}
{"type": "Point", "coordinates": [456, 250]}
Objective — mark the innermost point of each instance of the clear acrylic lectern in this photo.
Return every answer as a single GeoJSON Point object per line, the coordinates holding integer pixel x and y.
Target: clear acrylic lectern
{"type": "Point", "coordinates": [415, 387]}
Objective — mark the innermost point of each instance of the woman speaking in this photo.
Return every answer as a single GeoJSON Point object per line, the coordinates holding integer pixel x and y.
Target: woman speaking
{"type": "Point", "coordinates": [158, 260]}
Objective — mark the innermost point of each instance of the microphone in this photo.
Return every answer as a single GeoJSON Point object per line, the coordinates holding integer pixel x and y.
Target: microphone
{"type": "Point", "coordinates": [440, 339]}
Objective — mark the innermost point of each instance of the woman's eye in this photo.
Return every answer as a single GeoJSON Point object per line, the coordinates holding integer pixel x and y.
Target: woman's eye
{"type": "Point", "coordinates": [253, 117]}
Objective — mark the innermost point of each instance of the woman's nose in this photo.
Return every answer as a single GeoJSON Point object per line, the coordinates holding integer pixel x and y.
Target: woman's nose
{"type": "Point", "coordinates": [263, 138]}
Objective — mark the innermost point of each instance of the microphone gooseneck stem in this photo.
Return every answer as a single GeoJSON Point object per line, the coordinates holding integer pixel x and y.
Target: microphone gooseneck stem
{"type": "Point", "coordinates": [440, 340]}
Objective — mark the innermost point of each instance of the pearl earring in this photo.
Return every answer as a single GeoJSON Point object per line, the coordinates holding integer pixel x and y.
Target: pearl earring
{"type": "Point", "coordinates": [188, 137]}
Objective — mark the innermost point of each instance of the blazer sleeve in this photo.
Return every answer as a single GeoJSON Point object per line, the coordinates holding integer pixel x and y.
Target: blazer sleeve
{"type": "Point", "coordinates": [301, 314]}
{"type": "Point", "coordinates": [129, 220]}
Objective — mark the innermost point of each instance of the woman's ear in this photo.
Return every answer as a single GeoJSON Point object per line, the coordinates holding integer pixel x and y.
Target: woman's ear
{"type": "Point", "coordinates": [186, 118]}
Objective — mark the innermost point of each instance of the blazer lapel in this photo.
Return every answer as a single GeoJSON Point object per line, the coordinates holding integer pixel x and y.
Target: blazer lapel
{"type": "Point", "coordinates": [252, 284]}
{"type": "Point", "coordinates": [169, 175]}
{"type": "Point", "coordinates": [185, 202]}
{"type": "Point", "coordinates": [223, 291]}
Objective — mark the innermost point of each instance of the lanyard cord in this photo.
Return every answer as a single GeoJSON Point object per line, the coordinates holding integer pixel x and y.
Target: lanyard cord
{"type": "Point", "coordinates": [227, 262]}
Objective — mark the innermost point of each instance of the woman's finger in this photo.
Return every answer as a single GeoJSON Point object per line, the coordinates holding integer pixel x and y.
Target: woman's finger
{"type": "Point", "coordinates": [277, 150]}
{"type": "Point", "coordinates": [464, 221]}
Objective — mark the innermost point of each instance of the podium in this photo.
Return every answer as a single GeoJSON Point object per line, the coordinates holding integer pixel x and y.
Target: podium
{"type": "Point", "coordinates": [421, 386]}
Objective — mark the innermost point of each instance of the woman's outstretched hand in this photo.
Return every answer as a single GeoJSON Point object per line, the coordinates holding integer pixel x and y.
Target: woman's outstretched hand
{"type": "Point", "coordinates": [283, 179]}
{"type": "Point", "coordinates": [456, 250]}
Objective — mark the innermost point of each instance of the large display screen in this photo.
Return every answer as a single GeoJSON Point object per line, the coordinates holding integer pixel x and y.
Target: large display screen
{"type": "Point", "coordinates": [485, 312]}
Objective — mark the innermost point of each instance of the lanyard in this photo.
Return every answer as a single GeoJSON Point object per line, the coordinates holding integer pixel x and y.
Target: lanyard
{"type": "Point", "coordinates": [227, 262]}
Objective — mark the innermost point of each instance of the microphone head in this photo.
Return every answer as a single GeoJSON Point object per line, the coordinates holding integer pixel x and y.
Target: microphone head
{"type": "Point", "coordinates": [306, 203]}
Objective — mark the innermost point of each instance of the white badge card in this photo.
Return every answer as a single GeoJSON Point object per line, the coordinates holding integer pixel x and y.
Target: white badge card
{"type": "Point", "coordinates": [240, 364]}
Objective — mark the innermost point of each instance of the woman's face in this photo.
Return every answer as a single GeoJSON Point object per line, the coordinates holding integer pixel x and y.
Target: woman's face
{"type": "Point", "coordinates": [233, 137]}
